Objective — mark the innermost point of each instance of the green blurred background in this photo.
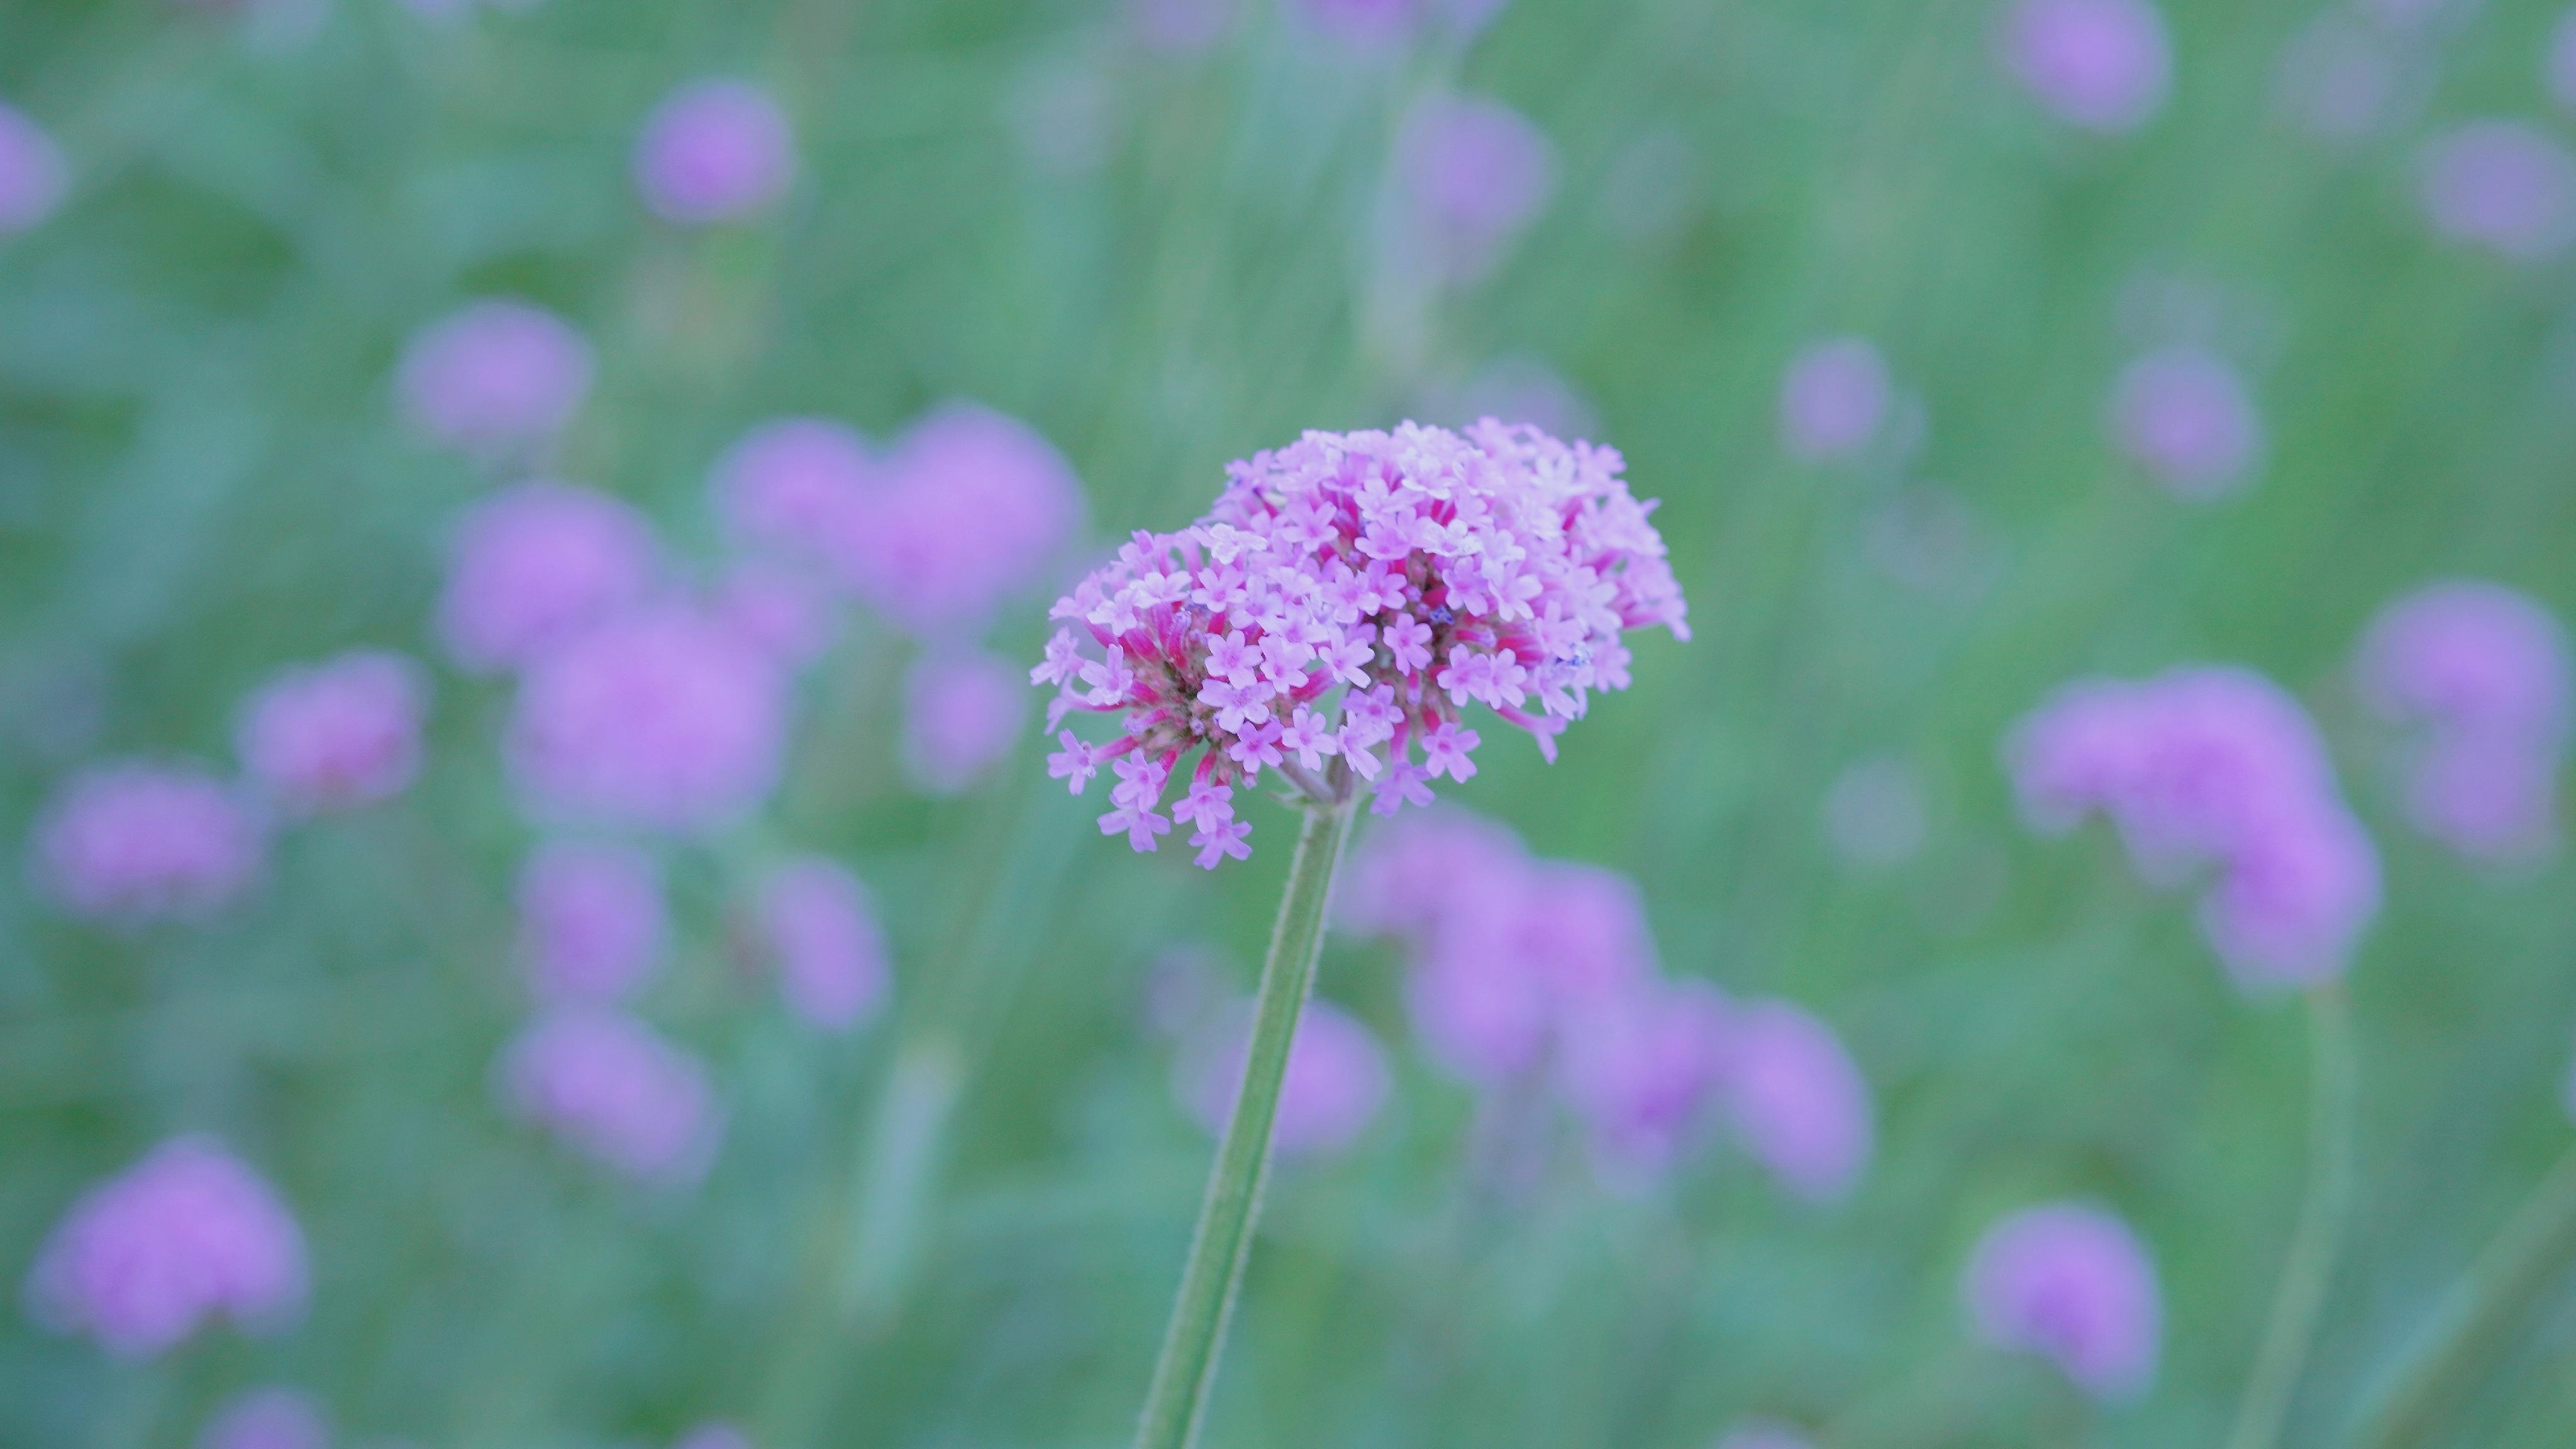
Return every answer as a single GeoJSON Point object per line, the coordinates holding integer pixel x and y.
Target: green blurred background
{"type": "Point", "coordinates": [1163, 265]}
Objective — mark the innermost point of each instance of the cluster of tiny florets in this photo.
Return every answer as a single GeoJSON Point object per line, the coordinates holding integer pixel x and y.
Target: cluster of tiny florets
{"type": "Point", "coordinates": [1342, 604]}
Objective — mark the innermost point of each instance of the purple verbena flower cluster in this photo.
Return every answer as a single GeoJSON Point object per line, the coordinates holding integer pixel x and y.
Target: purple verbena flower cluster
{"type": "Point", "coordinates": [341, 733]}
{"type": "Point", "coordinates": [132, 842]}
{"type": "Point", "coordinates": [268, 1418]}
{"type": "Point", "coordinates": [1527, 973]}
{"type": "Point", "coordinates": [2212, 769]}
{"type": "Point", "coordinates": [186, 1235]}
{"type": "Point", "coordinates": [33, 176]}
{"type": "Point", "coordinates": [616, 1091]}
{"type": "Point", "coordinates": [2071, 1283]}
{"type": "Point", "coordinates": [1341, 605]}
{"type": "Point", "coordinates": [2483, 673]}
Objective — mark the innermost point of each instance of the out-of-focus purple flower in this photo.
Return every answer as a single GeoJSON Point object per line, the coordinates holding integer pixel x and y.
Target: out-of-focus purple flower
{"type": "Point", "coordinates": [2483, 671]}
{"type": "Point", "coordinates": [2559, 70]}
{"type": "Point", "coordinates": [1833, 399]}
{"type": "Point", "coordinates": [2340, 80]}
{"type": "Point", "coordinates": [714, 150]}
{"type": "Point", "coordinates": [268, 1418]}
{"type": "Point", "coordinates": [797, 487]}
{"type": "Point", "coordinates": [659, 718]}
{"type": "Point", "coordinates": [1336, 1081]}
{"type": "Point", "coordinates": [1795, 1099]}
{"type": "Point", "coordinates": [604, 1083]}
{"type": "Point", "coordinates": [2217, 769]}
{"type": "Point", "coordinates": [147, 1257]}
{"type": "Point", "coordinates": [536, 564]}
{"type": "Point", "coordinates": [1641, 1069]}
{"type": "Point", "coordinates": [132, 842]}
{"type": "Point", "coordinates": [962, 713]}
{"type": "Point", "coordinates": [340, 733]}
{"type": "Point", "coordinates": [1764, 1434]}
{"type": "Point", "coordinates": [815, 921]}
{"type": "Point", "coordinates": [772, 608]}
{"type": "Point", "coordinates": [2503, 186]}
{"type": "Point", "coordinates": [1180, 29]}
{"type": "Point", "coordinates": [717, 1435]}
{"type": "Point", "coordinates": [975, 505]}
{"type": "Point", "coordinates": [2184, 416]}
{"type": "Point", "coordinates": [2104, 65]}
{"type": "Point", "coordinates": [591, 921]}
{"type": "Point", "coordinates": [2070, 1283]}
{"type": "Point", "coordinates": [1473, 175]}
{"type": "Point", "coordinates": [1351, 593]}
{"type": "Point", "coordinates": [498, 375]}
{"type": "Point", "coordinates": [1874, 814]}
{"type": "Point", "coordinates": [33, 176]}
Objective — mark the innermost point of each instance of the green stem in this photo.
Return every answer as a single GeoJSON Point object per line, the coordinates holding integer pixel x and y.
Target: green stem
{"type": "Point", "coordinates": [2528, 1259]}
{"type": "Point", "coordinates": [2319, 1235]}
{"type": "Point", "coordinates": [1177, 1400]}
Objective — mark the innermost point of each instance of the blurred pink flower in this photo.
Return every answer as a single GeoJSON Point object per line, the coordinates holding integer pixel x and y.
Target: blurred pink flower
{"type": "Point", "coordinates": [535, 564]}
{"type": "Point", "coordinates": [2184, 416]}
{"type": "Point", "coordinates": [816, 923]}
{"type": "Point", "coordinates": [33, 175]}
{"type": "Point", "coordinates": [133, 841]}
{"type": "Point", "coordinates": [797, 487]}
{"type": "Point", "coordinates": [714, 150]}
{"type": "Point", "coordinates": [337, 734]}
{"type": "Point", "coordinates": [657, 718]}
{"type": "Point", "coordinates": [147, 1257]}
{"type": "Point", "coordinates": [1833, 399]}
{"type": "Point", "coordinates": [1519, 958]}
{"type": "Point", "coordinates": [1473, 174]}
{"type": "Point", "coordinates": [2340, 79]}
{"type": "Point", "coordinates": [2559, 69]}
{"type": "Point", "coordinates": [2501, 185]}
{"type": "Point", "coordinates": [591, 921]}
{"type": "Point", "coordinates": [497, 375]}
{"type": "Point", "coordinates": [2217, 769]}
{"type": "Point", "coordinates": [1642, 1068]}
{"type": "Point", "coordinates": [973, 507]}
{"type": "Point", "coordinates": [2104, 65]}
{"type": "Point", "coordinates": [962, 713]}
{"type": "Point", "coordinates": [2483, 671]}
{"type": "Point", "coordinates": [605, 1084]}
{"type": "Point", "coordinates": [1336, 1081]}
{"type": "Point", "coordinates": [2071, 1283]}
{"type": "Point", "coordinates": [774, 609]}
{"type": "Point", "coordinates": [268, 1418]}
{"type": "Point", "coordinates": [1796, 1100]}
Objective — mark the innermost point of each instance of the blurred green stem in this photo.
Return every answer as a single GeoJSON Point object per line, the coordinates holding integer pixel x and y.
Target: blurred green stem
{"type": "Point", "coordinates": [904, 1155]}
{"type": "Point", "coordinates": [1177, 1399]}
{"type": "Point", "coordinates": [2528, 1259]}
{"type": "Point", "coordinates": [2319, 1235]}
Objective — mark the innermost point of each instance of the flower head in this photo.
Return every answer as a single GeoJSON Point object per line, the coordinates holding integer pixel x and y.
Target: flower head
{"type": "Point", "coordinates": [2483, 673]}
{"type": "Point", "coordinates": [1795, 1100]}
{"type": "Point", "coordinates": [2185, 417]}
{"type": "Point", "coordinates": [536, 564]}
{"type": "Point", "coordinates": [1475, 174]}
{"type": "Point", "coordinates": [340, 733]}
{"type": "Point", "coordinates": [133, 842]}
{"type": "Point", "coordinates": [714, 150]}
{"type": "Point", "coordinates": [797, 487]}
{"type": "Point", "coordinates": [1641, 1068]}
{"type": "Point", "coordinates": [2071, 1283]}
{"type": "Point", "coordinates": [1833, 399]}
{"type": "Point", "coordinates": [1498, 568]}
{"type": "Point", "coordinates": [268, 1418]}
{"type": "Point", "coordinates": [815, 921]}
{"type": "Point", "coordinates": [1336, 1079]}
{"type": "Point", "coordinates": [776, 610]}
{"type": "Point", "coordinates": [2216, 770]}
{"type": "Point", "coordinates": [33, 176]}
{"type": "Point", "coordinates": [495, 376]}
{"type": "Point", "coordinates": [972, 504]}
{"type": "Point", "coordinates": [591, 921]}
{"type": "Point", "coordinates": [605, 1084]}
{"type": "Point", "coordinates": [962, 713]}
{"type": "Point", "coordinates": [185, 1235]}
{"type": "Point", "coordinates": [2501, 185]}
{"type": "Point", "coordinates": [2103, 65]}
{"type": "Point", "coordinates": [658, 718]}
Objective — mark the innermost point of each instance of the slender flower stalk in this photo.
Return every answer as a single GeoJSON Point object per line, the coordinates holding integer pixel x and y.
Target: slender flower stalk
{"type": "Point", "coordinates": [2319, 1235]}
{"type": "Point", "coordinates": [2528, 1260]}
{"type": "Point", "coordinates": [1177, 1400]}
